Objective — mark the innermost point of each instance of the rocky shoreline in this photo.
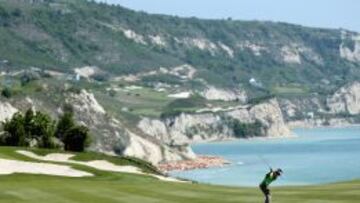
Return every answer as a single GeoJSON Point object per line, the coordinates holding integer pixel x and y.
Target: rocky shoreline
{"type": "Point", "coordinates": [200, 162]}
{"type": "Point", "coordinates": [319, 123]}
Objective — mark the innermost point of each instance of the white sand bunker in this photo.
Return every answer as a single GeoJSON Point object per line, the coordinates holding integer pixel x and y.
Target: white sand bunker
{"type": "Point", "coordinates": [181, 95]}
{"type": "Point", "coordinates": [97, 164]}
{"type": "Point", "coordinates": [8, 167]}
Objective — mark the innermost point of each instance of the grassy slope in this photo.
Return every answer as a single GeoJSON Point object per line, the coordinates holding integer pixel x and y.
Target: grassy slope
{"type": "Point", "coordinates": [66, 33]}
{"type": "Point", "coordinates": [126, 188]}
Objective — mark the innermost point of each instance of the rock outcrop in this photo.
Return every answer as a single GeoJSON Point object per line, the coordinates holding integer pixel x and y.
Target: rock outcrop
{"type": "Point", "coordinates": [112, 136]}
{"type": "Point", "coordinates": [270, 115]}
{"type": "Point", "coordinates": [351, 53]}
{"type": "Point", "coordinates": [189, 128]}
{"type": "Point", "coordinates": [6, 111]}
{"type": "Point", "coordinates": [155, 152]}
{"type": "Point", "coordinates": [346, 100]}
{"type": "Point", "coordinates": [301, 108]}
{"type": "Point", "coordinates": [321, 122]}
{"type": "Point", "coordinates": [212, 93]}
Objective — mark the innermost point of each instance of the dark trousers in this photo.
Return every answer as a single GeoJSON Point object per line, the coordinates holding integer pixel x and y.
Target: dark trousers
{"type": "Point", "coordinates": [266, 192]}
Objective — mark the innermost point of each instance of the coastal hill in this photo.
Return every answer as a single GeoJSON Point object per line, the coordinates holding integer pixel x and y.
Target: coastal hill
{"type": "Point", "coordinates": [150, 85]}
{"type": "Point", "coordinates": [63, 35]}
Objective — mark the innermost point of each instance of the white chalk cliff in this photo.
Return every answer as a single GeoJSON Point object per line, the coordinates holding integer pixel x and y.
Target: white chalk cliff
{"type": "Point", "coordinates": [110, 135]}
{"type": "Point", "coordinates": [189, 128]}
{"type": "Point", "coordinates": [157, 140]}
{"type": "Point", "coordinates": [213, 93]}
{"type": "Point", "coordinates": [6, 111]}
{"type": "Point", "coordinates": [346, 100]}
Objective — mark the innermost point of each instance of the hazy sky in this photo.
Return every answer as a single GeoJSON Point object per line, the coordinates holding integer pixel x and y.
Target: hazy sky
{"type": "Point", "coordinates": [319, 13]}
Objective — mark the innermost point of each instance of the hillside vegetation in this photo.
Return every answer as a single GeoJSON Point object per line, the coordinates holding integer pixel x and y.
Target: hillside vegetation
{"type": "Point", "coordinates": [65, 34]}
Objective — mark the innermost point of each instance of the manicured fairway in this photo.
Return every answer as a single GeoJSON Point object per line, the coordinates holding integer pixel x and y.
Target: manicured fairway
{"type": "Point", "coordinates": [116, 187]}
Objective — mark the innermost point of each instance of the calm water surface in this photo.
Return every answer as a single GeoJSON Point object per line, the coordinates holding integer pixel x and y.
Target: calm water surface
{"type": "Point", "coordinates": [321, 155]}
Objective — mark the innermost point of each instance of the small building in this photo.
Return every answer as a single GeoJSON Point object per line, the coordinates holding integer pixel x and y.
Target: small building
{"type": "Point", "coordinates": [255, 83]}
{"type": "Point", "coordinates": [77, 77]}
{"type": "Point", "coordinates": [310, 115]}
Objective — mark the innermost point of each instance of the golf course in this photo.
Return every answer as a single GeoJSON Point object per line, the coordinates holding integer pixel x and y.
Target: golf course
{"type": "Point", "coordinates": [105, 186]}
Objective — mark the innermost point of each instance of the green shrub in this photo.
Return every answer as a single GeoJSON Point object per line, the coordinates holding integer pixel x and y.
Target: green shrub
{"type": "Point", "coordinates": [192, 102]}
{"type": "Point", "coordinates": [170, 113]}
{"type": "Point", "coordinates": [26, 130]}
{"type": "Point", "coordinates": [163, 78]}
{"type": "Point", "coordinates": [66, 122]}
{"type": "Point", "coordinates": [258, 100]}
{"type": "Point", "coordinates": [112, 93]}
{"type": "Point", "coordinates": [100, 77]}
{"type": "Point", "coordinates": [17, 12]}
{"type": "Point", "coordinates": [7, 92]}
{"type": "Point", "coordinates": [14, 131]}
{"type": "Point", "coordinates": [74, 137]}
{"type": "Point", "coordinates": [74, 89]}
{"type": "Point", "coordinates": [42, 130]}
{"type": "Point", "coordinates": [37, 129]}
{"type": "Point", "coordinates": [77, 139]}
{"type": "Point", "coordinates": [4, 13]}
{"type": "Point", "coordinates": [245, 130]}
{"type": "Point", "coordinates": [27, 77]}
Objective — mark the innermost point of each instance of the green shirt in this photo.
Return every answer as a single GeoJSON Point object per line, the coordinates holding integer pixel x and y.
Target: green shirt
{"type": "Point", "coordinates": [269, 178]}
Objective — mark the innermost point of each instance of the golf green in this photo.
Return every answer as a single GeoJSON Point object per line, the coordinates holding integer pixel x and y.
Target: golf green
{"type": "Point", "coordinates": [106, 187]}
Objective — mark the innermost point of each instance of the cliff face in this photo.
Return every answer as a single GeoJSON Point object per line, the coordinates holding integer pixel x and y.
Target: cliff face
{"type": "Point", "coordinates": [271, 116]}
{"type": "Point", "coordinates": [154, 140]}
{"type": "Point", "coordinates": [338, 109]}
{"type": "Point", "coordinates": [346, 100]}
{"type": "Point", "coordinates": [189, 128]}
{"type": "Point", "coordinates": [212, 93]}
{"type": "Point", "coordinates": [112, 136]}
{"type": "Point", "coordinates": [186, 128]}
{"type": "Point", "coordinates": [321, 122]}
{"type": "Point", "coordinates": [6, 111]}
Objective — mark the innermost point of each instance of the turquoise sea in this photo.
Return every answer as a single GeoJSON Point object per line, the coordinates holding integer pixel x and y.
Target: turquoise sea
{"type": "Point", "coordinates": [316, 156]}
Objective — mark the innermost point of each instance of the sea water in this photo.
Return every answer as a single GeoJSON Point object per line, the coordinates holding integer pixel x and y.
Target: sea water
{"type": "Point", "coordinates": [316, 156]}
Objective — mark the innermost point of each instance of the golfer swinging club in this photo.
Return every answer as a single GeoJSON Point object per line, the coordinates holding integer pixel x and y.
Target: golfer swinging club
{"type": "Point", "coordinates": [269, 178]}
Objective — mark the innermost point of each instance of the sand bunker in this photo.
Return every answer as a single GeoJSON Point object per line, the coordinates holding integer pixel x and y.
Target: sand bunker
{"type": "Point", "coordinates": [12, 166]}
{"type": "Point", "coordinates": [107, 166]}
{"type": "Point", "coordinates": [97, 164]}
{"type": "Point", "coordinates": [181, 95]}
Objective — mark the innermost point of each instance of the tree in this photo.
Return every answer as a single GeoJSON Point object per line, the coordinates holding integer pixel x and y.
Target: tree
{"type": "Point", "coordinates": [65, 123]}
{"type": "Point", "coordinates": [14, 131]}
{"type": "Point", "coordinates": [7, 92]}
{"type": "Point", "coordinates": [28, 77]}
{"type": "Point", "coordinates": [112, 93]}
{"type": "Point", "coordinates": [33, 127]}
{"type": "Point", "coordinates": [77, 139]}
{"type": "Point", "coordinates": [28, 121]}
{"type": "Point", "coordinates": [243, 130]}
{"type": "Point", "coordinates": [42, 129]}
{"type": "Point", "coordinates": [17, 12]}
{"type": "Point", "coordinates": [3, 13]}
{"type": "Point", "coordinates": [38, 129]}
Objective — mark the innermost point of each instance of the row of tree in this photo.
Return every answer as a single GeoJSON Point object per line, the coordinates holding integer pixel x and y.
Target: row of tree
{"type": "Point", "coordinates": [245, 130]}
{"type": "Point", "coordinates": [37, 129]}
